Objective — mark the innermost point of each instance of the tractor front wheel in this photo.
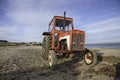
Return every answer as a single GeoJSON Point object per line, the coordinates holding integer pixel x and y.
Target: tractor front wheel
{"type": "Point", "coordinates": [52, 58]}
{"type": "Point", "coordinates": [90, 58]}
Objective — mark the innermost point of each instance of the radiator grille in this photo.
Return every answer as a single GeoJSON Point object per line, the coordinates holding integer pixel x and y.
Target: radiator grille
{"type": "Point", "coordinates": [77, 41]}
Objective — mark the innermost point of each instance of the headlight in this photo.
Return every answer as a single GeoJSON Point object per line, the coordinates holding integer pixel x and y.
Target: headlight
{"type": "Point", "coordinates": [56, 34]}
{"type": "Point", "coordinates": [73, 43]}
{"type": "Point", "coordinates": [81, 43]}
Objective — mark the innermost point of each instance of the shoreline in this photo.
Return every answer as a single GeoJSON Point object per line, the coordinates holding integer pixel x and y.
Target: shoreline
{"type": "Point", "coordinates": [107, 51]}
{"type": "Point", "coordinates": [101, 48]}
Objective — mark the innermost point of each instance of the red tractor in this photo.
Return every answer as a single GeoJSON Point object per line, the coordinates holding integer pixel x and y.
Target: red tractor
{"type": "Point", "coordinates": [61, 38]}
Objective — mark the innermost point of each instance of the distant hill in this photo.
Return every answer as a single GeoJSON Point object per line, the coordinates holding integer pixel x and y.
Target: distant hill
{"type": "Point", "coordinates": [6, 43]}
{"type": "Point", "coordinates": [3, 41]}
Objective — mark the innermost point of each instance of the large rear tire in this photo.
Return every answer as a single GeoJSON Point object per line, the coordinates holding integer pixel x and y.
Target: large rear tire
{"type": "Point", "coordinates": [90, 58]}
{"type": "Point", "coordinates": [46, 46]}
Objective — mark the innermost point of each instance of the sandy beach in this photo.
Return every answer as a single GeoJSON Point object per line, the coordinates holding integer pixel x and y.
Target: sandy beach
{"type": "Point", "coordinates": [26, 63]}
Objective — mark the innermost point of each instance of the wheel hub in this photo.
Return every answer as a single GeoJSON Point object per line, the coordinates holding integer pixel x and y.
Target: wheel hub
{"type": "Point", "coordinates": [88, 58]}
{"type": "Point", "coordinates": [50, 60]}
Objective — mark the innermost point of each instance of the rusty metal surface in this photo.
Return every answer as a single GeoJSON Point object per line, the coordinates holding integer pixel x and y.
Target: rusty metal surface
{"type": "Point", "coordinates": [78, 42]}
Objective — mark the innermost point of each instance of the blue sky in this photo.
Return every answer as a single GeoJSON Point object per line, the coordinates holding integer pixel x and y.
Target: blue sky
{"type": "Point", "coordinates": [26, 20]}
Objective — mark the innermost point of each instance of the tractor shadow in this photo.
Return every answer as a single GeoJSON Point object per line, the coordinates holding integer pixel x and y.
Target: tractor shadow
{"type": "Point", "coordinates": [99, 56]}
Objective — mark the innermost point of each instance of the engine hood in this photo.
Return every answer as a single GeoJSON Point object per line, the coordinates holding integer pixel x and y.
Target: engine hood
{"type": "Point", "coordinates": [78, 32]}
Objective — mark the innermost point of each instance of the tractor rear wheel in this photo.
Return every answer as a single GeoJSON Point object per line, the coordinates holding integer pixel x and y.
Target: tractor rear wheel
{"type": "Point", "coordinates": [46, 46]}
{"type": "Point", "coordinates": [90, 58]}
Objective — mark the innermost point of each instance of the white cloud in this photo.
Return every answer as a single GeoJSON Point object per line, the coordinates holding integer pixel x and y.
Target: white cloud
{"type": "Point", "coordinates": [106, 31]}
{"type": "Point", "coordinates": [8, 33]}
{"type": "Point", "coordinates": [6, 30]}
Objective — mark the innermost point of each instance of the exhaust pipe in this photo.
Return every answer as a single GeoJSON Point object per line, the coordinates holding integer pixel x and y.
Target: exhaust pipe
{"type": "Point", "coordinates": [64, 22]}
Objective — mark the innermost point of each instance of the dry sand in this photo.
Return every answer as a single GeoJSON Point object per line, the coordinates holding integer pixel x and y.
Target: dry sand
{"type": "Point", "coordinates": [26, 63]}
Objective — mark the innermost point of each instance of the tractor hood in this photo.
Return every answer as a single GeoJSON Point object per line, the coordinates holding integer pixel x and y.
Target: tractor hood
{"type": "Point", "coordinates": [77, 40]}
{"type": "Point", "coordinates": [78, 32]}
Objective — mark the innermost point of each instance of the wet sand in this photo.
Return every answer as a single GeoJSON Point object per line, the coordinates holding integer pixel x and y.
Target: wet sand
{"type": "Point", "coordinates": [26, 63]}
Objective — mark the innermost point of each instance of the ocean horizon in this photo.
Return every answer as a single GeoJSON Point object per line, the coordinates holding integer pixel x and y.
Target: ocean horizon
{"type": "Point", "coordinates": [104, 45]}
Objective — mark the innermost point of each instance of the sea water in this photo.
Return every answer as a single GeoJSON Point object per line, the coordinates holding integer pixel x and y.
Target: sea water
{"type": "Point", "coordinates": [105, 45]}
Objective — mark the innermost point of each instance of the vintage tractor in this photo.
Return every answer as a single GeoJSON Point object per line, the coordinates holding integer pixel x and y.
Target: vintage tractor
{"type": "Point", "coordinates": [61, 38]}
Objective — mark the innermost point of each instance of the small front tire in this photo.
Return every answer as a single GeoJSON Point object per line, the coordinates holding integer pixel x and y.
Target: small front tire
{"type": "Point", "coordinates": [52, 58]}
{"type": "Point", "coordinates": [90, 58]}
